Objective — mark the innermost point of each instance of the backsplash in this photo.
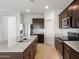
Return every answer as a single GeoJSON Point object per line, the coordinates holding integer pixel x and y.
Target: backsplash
{"type": "Point", "coordinates": [38, 31]}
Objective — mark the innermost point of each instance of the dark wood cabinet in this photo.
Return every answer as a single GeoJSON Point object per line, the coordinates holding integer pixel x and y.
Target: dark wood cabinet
{"type": "Point", "coordinates": [59, 45]}
{"type": "Point", "coordinates": [60, 21]}
{"type": "Point", "coordinates": [31, 51]}
{"type": "Point", "coordinates": [72, 13]}
{"type": "Point", "coordinates": [70, 53]}
{"type": "Point", "coordinates": [26, 55]}
{"type": "Point", "coordinates": [63, 23]}
{"type": "Point", "coordinates": [66, 52]}
{"type": "Point", "coordinates": [76, 14]}
{"type": "Point", "coordinates": [11, 55]}
{"type": "Point", "coordinates": [41, 38]}
{"type": "Point", "coordinates": [38, 22]}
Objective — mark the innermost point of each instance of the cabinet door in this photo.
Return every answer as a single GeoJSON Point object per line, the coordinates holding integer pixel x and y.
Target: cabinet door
{"type": "Point", "coordinates": [76, 14]}
{"type": "Point", "coordinates": [35, 48]}
{"type": "Point", "coordinates": [31, 53]}
{"type": "Point", "coordinates": [74, 54]}
{"type": "Point", "coordinates": [11, 55]}
{"type": "Point", "coordinates": [26, 55]}
{"type": "Point", "coordinates": [70, 10]}
{"type": "Point", "coordinates": [66, 52]}
{"type": "Point", "coordinates": [38, 23]}
{"type": "Point", "coordinates": [57, 43]}
{"type": "Point", "coordinates": [41, 38]}
{"type": "Point", "coordinates": [60, 21]}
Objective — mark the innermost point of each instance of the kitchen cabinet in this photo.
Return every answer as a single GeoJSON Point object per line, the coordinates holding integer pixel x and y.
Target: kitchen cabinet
{"type": "Point", "coordinates": [63, 22]}
{"type": "Point", "coordinates": [28, 53]}
{"type": "Point", "coordinates": [11, 55]}
{"type": "Point", "coordinates": [75, 15]}
{"type": "Point", "coordinates": [60, 21]}
{"type": "Point", "coordinates": [40, 38]}
{"type": "Point", "coordinates": [66, 52]}
{"type": "Point", "coordinates": [59, 45]}
{"type": "Point", "coordinates": [71, 15]}
{"type": "Point", "coordinates": [70, 53]}
{"type": "Point", "coordinates": [38, 23]}
{"type": "Point", "coordinates": [31, 51]}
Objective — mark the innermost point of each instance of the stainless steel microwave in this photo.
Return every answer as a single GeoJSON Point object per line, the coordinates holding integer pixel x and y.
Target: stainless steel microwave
{"type": "Point", "coordinates": [67, 22]}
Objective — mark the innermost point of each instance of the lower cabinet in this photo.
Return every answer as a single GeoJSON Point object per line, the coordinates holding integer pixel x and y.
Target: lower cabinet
{"type": "Point", "coordinates": [40, 38]}
{"type": "Point", "coordinates": [26, 55]}
{"type": "Point", "coordinates": [59, 45]}
{"type": "Point", "coordinates": [11, 55]}
{"type": "Point", "coordinates": [70, 53]}
{"type": "Point", "coordinates": [66, 52]}
{"type": "Point", "coordinates": [31, 51]}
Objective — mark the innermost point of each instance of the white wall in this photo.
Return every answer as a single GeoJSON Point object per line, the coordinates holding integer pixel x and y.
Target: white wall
{"type": "Point", "coordinates": [11, 30]}
{"type": "Point", "coordinates": [49, 27]}
{"type": "Point", "coordinates": [4, 28]}
{"type": "Point", "coordinates": [0, 31]}
{"type": "Point", "coordinates": [21, 18]}
{"type": "Point", "coordinates": [28, 18]}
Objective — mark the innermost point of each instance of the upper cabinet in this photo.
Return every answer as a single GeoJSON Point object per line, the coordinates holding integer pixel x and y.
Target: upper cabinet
{"type": "Point", "coordinates": [69, 17]}
{"type": "Point", "coordinates": [38, 23]}
{"type": "Point", "coordinates": [76, 14]}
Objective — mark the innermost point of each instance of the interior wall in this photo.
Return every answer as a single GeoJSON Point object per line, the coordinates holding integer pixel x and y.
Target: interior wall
{"type": "Point", "coordinates": [4, 27]}
{"type": "Point", "coordinates": [49, 27]}
{"type": "Point", "coordinates": [0, 31]}
{"type": "Point", "coordinates": [28, 18]}
{"type": "Point", "coordinates": [21, 18]}
{"type": "Point", "coordinates": [11, 30]}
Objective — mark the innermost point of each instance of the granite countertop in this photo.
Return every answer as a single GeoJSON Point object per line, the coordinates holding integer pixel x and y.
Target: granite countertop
{"type": "Point", "coordinates": [73, 44]}
{"type": "Point", "coordinates": [19, 47]}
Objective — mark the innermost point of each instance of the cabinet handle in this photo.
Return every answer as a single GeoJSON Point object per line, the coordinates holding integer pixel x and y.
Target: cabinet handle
{"type": "Point", "coordinates": [4, 56]}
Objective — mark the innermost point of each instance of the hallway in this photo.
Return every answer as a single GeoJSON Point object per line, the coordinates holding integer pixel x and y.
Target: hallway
{"type": "Point", "coordinates": [46, 52]}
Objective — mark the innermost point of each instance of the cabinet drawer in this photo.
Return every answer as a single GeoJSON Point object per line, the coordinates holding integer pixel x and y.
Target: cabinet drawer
{"type": "Point", "coordinates": [11, 55]}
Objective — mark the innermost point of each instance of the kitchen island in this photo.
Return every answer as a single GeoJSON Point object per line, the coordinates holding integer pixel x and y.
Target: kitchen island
{"type": "Point", "coordinates": [21, 50]}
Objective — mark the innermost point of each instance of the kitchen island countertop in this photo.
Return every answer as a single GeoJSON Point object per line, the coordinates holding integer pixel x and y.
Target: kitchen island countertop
{"type": "Point", "coordinates": [18, 47]}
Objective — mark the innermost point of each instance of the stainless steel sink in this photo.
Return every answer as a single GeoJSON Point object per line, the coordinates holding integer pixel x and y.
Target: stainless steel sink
{"type": "Point", "coordinates": [25, 40]}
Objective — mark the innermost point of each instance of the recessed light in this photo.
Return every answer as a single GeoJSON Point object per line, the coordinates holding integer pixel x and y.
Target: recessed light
{"type": "Point", "coordinates": [28, 10]}
{"type": "Point", "coordinates": [32, 0]}
{"type": "Point", "coordinates": [47, 7]}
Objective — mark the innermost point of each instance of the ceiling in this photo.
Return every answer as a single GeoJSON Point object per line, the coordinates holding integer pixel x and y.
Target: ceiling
{"type": "Point", "coordinates": [36, 7]}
